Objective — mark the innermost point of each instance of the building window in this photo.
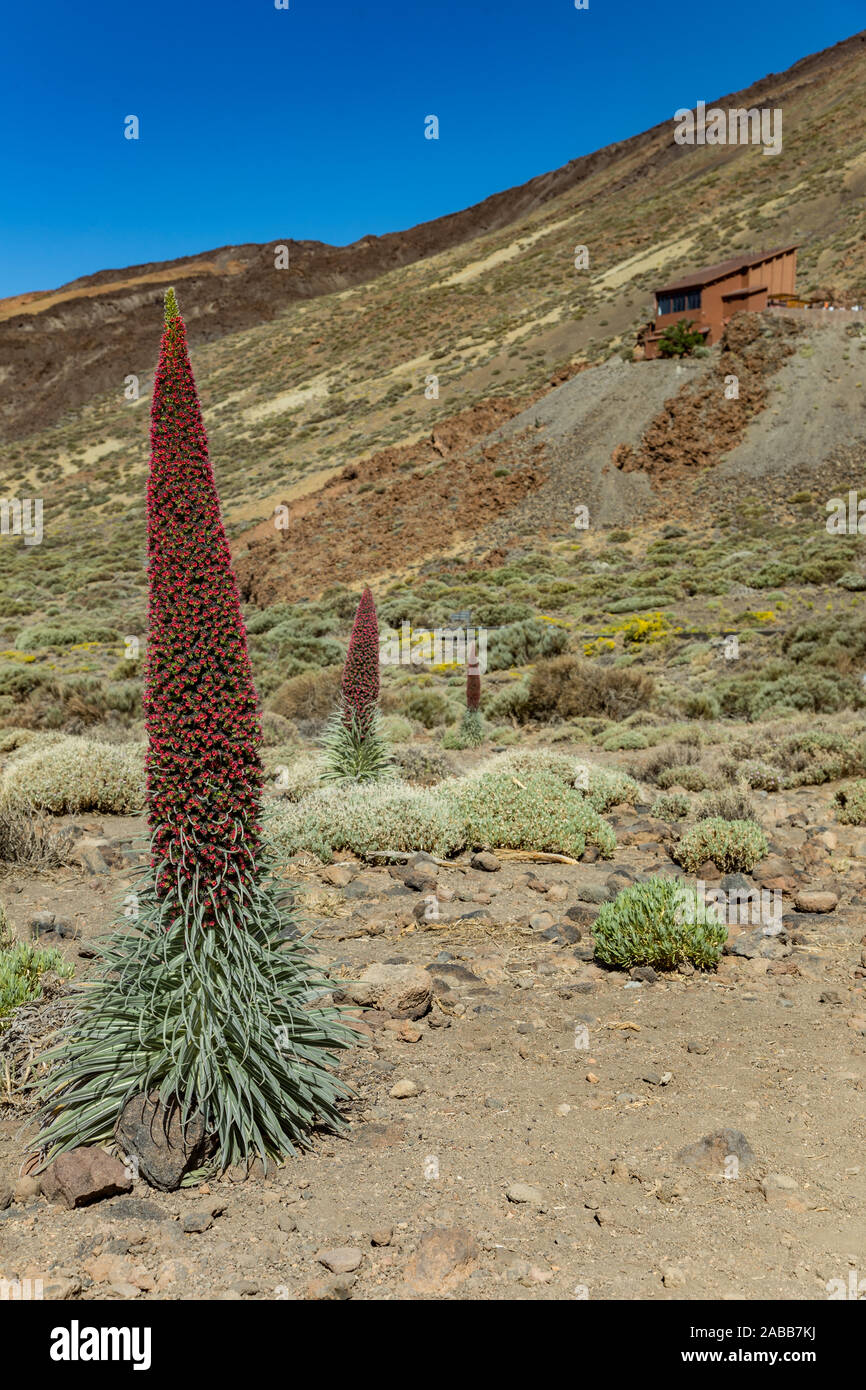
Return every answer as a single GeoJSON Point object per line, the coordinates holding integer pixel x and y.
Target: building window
{"type": "Point", "coordinates": [693, 299]}
{"type": "Point", "coordinates": [664, 304]}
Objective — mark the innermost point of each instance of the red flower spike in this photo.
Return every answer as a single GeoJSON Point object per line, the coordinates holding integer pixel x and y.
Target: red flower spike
{"type": "Point", "coordinates": [360, 682]}
{"type": "Point", "coordinates": [203, 767]}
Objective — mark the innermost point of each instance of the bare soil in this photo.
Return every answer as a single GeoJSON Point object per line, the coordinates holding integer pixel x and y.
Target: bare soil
{"type": "Point", "coordinates": [511, 1090]}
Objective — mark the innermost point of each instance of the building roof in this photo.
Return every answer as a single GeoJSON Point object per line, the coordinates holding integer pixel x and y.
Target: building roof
{"type": "Point", "coordinates": [711, 273]}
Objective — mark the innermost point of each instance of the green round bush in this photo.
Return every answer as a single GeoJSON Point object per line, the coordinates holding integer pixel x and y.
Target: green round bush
{"type": "Point", "coordinates": [671, 806]}
{"type": "Point", "coordinates": [732, 845]}
{"type": "Point", "coordinates": [661, 923]}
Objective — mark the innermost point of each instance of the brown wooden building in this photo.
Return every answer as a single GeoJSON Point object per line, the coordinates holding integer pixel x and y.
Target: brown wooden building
{"type": "Point", "coordinates": [710, 297]}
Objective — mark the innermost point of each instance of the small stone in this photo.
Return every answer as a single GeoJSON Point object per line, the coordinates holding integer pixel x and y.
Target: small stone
{"type": "Point", "coordinates": [444, 1258]}
{"type": "Point", "coordinates": [402, 1090]}
{"type": "Point", "coordinates": [523, 1194]}
{"type": "Point", "coordinates": [336, 1289]}
{"type": "Point", "coordinates": [6, 1196]}
{"type": "Point", "coordinates": [701, 1048]}
{"type": "Point", "coordinates": [338, 874]}
{"type": "Point", "coordinates": [814, 901]}
{"type": "Point", "coordinates": [712, 1150]}
{"type": "Point", "coordinates": [383, 1236]}
{"type": "Point", "coordinates": [540, 921]}
{"type": "Point", "coordinates": [342, 1260]}
{"type": "Point", "coordinates": [60, 1290]}
{"type": "Point", "coordinates": [403, 991]}
{"type": "Point", "coordinates": [485, 861]}
{"type": "Point", "coordinates": [780, 1190]}
{"type": "Point", "coordinates": [196, 1223]}
{"type": "Point", "coordinates": [84, 1175]}
{"type": "Point", "coordinates": [563, 1109]}
{"type": "Point", "coordinates": [673, 1278]}
{"type": "Point", "coordinates": [557, 893]}
{"type": "Point", "coordinates": [26, 1190]}
{"type": "Point", "coordinates": [594, 893]}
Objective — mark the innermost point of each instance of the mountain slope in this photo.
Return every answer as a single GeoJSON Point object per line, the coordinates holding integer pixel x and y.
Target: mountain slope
{"type": "Point", "coordinates": [61, 348]}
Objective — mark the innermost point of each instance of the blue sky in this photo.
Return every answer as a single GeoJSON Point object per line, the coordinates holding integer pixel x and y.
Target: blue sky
{"type": "Point", "coordinates": [258, 123]}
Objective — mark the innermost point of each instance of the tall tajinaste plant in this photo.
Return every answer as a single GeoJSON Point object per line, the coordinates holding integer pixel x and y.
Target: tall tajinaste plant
{"type": "Point", "coordinates": [204, 999]}
{"type": "Point", "coordinates": [354, 748]}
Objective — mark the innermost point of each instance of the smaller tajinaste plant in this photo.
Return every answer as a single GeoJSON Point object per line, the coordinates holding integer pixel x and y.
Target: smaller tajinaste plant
{"type": "Point", "coordinates": [472, 724]}
{"type": "Point", "coordinates": [354, 748]}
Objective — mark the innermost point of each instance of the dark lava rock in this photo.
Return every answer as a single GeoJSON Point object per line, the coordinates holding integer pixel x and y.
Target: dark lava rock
{"type": "Point", "coordinates": [165, 1149]}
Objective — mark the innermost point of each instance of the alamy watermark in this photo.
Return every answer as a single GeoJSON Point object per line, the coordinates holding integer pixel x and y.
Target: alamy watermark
{"type": "Point", "coordinates": [737, 126]}
{"type": "Point", "coordinates": [439, 646]}
{"type": "Point", "coordinates": [744, 907]}
{"type": "Point", "coordinates": [22, 518]}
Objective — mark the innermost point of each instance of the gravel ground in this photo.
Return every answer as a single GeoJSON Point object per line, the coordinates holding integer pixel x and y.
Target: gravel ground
{"type": "Point", "coordinates": [521, 1139]}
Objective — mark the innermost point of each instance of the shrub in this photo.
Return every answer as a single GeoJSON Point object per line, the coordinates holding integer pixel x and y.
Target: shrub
{"type": "Point", "coordinates": [396, 728]}
{"type": "Point", "coordinates": [731, 803]}
{"type": "Point", "coordinates": [31, 639]}
{"type": "Point", "coordinates": [759, 775]}
{"type": "Point", "coordinates": [688, 775]}
{"type": "Point", "coordinates": [776, 690]}
{"type": "Point", "coordinates": [77, 774]}
{"type": "Point", "coordinates": [22, 971]}
{"type": "Point", "coordinates": [666, 756]}
{"type": "Point", "coordinates": [26, 839]}
{"type": "Point", "coordinates": [819, 755]}
{"type": "Point", "coordinates": [732, 845]}
{"type": "Point", "coordinates": [517, 644]}
{"type": "Point", "coordinates": [602, 787]}
{"type": "Point", "coordinates": [423, 764]}
{"type": "Point", "coordinates": [378, 817]}
{"type": "Point", "coordinates": [679, 339]}
{"type": "Point", "coordinates": [508, 701]}
{"type": "Point", "coordinates": [672, 806]}
{"type": "Point", "coordinates": [851, 801]}
{"type": "Point", "coordinates": [310, 695]}
{"type": "Point", "coordinates": [297, 778]}
{"type": "Point", "coordinates": [276, 729]}
{"type": "Point", "coordinates": [701, 706]}
{"type": "Point", "coordinates": [624, 738]}
{"type": "Point", "coordinates": [539, 813]}
{"type": "Point", "coordinates": [432, 708]}
{"type": "Point", "coordinates": [661, 923]}
{"type": "Point", "coordinates": [569, 687]}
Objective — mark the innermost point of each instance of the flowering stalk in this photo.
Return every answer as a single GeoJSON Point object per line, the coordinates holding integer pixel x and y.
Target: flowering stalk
{"type": "Point", "coordinates": [354, 749]}
{"type": "Point", "coordinates": [204, 774]}
{"type": "Point", "coordinates": [360, 681]}
{"type": "Point", "coordinates": [472, 724]}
